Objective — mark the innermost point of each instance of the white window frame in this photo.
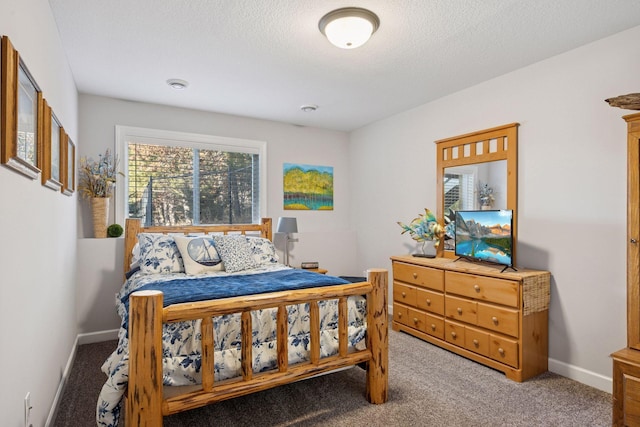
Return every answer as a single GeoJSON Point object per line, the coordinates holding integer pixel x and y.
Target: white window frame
{"type": "Point", "coordinates": [123, 134]}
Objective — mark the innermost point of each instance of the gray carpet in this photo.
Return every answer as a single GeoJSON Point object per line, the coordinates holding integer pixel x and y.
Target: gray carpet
{"type": "Point", "coordinates": [428, 386]}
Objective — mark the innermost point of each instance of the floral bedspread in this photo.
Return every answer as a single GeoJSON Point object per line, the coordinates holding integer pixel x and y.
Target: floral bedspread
{"type": "Point", "coordinates": [182, 341]}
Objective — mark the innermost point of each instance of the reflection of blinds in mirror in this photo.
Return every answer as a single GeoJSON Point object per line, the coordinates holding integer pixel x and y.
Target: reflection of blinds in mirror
{"type": "Point", "coordinates": [459, 191]}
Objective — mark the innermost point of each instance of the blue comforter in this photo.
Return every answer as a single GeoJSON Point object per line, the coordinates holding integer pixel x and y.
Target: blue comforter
{"type": "Point", "coordinates": [216, 287]}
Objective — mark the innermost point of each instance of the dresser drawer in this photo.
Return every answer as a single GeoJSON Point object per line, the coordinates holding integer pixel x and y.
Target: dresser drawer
{"type": "Point", "coordinates": [423, 276]}
{"type": "Point", "coordinates": [460, 309]}
{"type": "Point", "coordinates": [417, 319]}
{"type": "Point", "coordinates": [476, 340]}
{"type": "Point", "coordinates": [454, 333]}
{"type": "Point", "coordinates": [499, 291]}
{"type": "Point", "coordinates": [404, 294]}
{"type": "Point", "coordinates": [410, 317]}
{"type": "Point", "coordinates": [503, 350]}
{"type": "Point", "coordinates": [498, 319]}
{"type": "Point", "coordinates": [401, 314]}
{"type": "Point", "coordinates": [430, 301]}
{"type": "Point", "coordinates": [434, 326]}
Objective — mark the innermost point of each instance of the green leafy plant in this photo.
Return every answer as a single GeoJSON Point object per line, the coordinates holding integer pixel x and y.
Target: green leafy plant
{"type": "Point", "coordinates": [114, 230]}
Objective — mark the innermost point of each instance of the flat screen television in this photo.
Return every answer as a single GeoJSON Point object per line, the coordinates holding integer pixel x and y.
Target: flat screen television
{"type": "Point", "coordinates": [485, 236]}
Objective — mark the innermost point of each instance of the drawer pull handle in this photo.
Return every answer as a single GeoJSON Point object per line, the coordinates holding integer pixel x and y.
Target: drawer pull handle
{"type": "Point", "coordinates": [453, 334]}
{"type": "Point", "coordinates": [415, 320]}
{"type": "Point", "coordinates": [433, 327]}
{"type": "Point", "coordinates": [494, 320]}
{"type": "Point", "coordinates": [459, 310]}
{"type": "Point", "coordinates": [501, 351]}
{"type": "Point", "coordinates": [404, 294]}
{"type": "Point", "coordinates": [428, 301]}
{"type": "Point", "coordinates": [399, 315]}
{"type": "Point", "coordinates": [415, 275]}
{"type": "Point", "coordinates": [477, 288]}
{"type": "Point", "coordinates": [475, 342]}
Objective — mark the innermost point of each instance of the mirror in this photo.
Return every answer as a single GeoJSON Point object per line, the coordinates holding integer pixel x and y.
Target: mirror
{"type": "Point", "coordinates": [473, 187]}
{"type": "Point", "coordinates": [476, 171]}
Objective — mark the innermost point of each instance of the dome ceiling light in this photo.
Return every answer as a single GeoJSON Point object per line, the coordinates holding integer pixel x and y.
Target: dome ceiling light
{"type": "Point", "coordinates": [349, 27]}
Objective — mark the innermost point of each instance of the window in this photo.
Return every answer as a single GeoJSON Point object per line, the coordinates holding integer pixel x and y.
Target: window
{"type": "Point", "coordinates": [173, 178]}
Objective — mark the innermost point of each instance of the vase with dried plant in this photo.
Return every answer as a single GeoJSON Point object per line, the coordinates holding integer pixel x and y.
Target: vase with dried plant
{"type": "Point", "coordinates": [96, 183]}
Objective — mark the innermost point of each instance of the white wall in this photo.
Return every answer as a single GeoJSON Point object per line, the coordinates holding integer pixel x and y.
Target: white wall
{"type": "Point", "coordinates": [572, 186]}
{"type": "Point", "coordinates": [324, 235]}
{"type": "Point", "coordinates": [38, 251]}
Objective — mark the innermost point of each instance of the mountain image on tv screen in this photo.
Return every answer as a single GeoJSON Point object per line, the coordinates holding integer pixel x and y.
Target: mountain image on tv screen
{"type": "Point", "coordinates": [485, 236]}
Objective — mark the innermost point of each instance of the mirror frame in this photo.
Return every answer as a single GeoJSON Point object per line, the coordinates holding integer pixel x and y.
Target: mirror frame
{"type": "Point", "coordinates": [473, 148]}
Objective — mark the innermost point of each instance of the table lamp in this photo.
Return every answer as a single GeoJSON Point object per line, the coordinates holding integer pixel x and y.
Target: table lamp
{"type": "Point", "coordinates": [287, 225]}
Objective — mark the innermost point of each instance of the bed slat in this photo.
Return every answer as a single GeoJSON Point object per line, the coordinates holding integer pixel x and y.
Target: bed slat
{"type": "Point", "coordinates": [208, 362]}
{"type": "Point", "coordinates": [314, 332]}
{"type": "Point", "coordinates": [282, 338]}
{"type": "Point", "coordinates": [247, 350]}
{"type": "Point", "coordinates": [343, 326]}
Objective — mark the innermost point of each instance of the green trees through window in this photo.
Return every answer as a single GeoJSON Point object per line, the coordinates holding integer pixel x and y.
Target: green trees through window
{"type": "Point", "coordinates": [178, 185]}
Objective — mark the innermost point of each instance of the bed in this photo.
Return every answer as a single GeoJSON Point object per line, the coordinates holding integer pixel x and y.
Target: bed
{"type": "Point", "coordinates": [198, 329]}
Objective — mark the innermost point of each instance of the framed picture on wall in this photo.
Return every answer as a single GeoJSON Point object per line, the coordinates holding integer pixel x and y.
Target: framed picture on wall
{"type": "Point", "coordinates": [53, 144]}
{"type": "Point", "coordinates": [307, 187]}
{"type": "Point", "coordinates": [69, 167]}
{"type": "Point", "coordinates": [21, 102]}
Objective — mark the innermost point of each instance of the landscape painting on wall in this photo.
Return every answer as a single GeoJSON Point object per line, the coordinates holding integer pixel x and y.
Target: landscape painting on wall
{"type": "Point", "coordinates": [308, 187]}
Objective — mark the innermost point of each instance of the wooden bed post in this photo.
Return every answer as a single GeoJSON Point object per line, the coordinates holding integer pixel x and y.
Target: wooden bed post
{"type": "Point", "coordinates": [144, 394]}
{"type": "Point", "coordinates": [267, 228]}
{"type": "Point", "coordinates": [132, 228]}
{"type": "Point", "coordinates": [377, 336]}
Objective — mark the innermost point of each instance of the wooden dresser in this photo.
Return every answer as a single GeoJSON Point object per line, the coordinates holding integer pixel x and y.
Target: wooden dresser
{"type": "Point", "coordinates": [499, 319]}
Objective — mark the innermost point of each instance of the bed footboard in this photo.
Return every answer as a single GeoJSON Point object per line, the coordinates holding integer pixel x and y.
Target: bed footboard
{"type": "Point", "coordinates": [145, 403]}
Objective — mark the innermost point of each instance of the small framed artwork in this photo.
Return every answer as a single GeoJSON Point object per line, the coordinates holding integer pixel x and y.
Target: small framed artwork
{"type": "Point", "coordinates": [52, 147]}
{"type": "Point", "coordinates": [21, 100]}
{"type": "Point", "coordinates": [69, 167]}
{"type": "Point", "coordinates": [307, 187]}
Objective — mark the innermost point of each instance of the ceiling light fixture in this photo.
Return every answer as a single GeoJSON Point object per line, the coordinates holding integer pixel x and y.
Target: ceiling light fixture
{"type": "Point", "coordinates": [309, 108]}
{"type": "Point", "coordinates": [178, 84]}
{"type": "Point", "coordinates": [349, 27]}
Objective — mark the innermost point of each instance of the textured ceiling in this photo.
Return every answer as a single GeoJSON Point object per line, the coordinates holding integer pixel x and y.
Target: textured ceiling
{"type": "Point", "coordinates": [266, 58]}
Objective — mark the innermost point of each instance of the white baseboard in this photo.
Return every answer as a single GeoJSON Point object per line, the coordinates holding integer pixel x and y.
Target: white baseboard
{"type": "Point", "coordinates": [89, 338]}
{"type": "Point", "coordinates": [63, 381]}
{"type": "Point", "coordinates": [94, 337]}
{"type": "Point", "coordinates": [581, 375]}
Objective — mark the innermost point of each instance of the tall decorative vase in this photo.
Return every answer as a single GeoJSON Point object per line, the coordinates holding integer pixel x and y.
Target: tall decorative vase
{"type": "Point", "coordinates": [100, 213]}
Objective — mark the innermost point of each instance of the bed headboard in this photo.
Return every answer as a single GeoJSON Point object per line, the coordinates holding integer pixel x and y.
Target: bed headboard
{"type": "Point", "coordinates": [134, 226]}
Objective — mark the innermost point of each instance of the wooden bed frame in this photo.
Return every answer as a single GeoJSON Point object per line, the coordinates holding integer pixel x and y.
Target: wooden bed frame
{"type": "Point", "coordinates": [147, 402]}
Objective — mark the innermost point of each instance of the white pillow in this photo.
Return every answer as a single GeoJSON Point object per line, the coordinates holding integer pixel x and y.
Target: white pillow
{"type": "Point", "coordinates": [263, 250]}
{"type": "Point", "coordinates": [199, 254]}
{"type": "Point", "coordinates": [235, 252]}
{"type": "Point", "coordinates": [159, 254]}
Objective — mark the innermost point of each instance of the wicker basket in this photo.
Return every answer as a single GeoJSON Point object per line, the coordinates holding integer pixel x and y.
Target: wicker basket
{"type": "Point", "coordinates": [100, 212]}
